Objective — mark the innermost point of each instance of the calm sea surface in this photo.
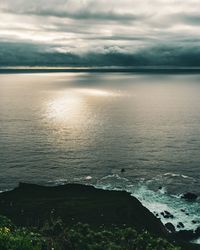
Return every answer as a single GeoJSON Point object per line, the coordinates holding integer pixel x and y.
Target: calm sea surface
{"type": "Point", "coordinates": [85, 127]}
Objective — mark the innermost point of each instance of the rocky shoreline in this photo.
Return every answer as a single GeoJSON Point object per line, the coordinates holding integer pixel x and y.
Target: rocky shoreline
{"type": "Point", "coordinates": [32, 205]}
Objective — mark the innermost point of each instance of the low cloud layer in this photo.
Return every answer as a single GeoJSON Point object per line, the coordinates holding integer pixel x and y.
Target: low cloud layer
{"type": "Point", "coordinates": [100, 33]}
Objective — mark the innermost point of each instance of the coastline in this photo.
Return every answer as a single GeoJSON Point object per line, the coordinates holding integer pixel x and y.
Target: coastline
{"type": "Point", "coordinates": [135, 70]}
{"type": "Point", "coordinates": [31, 205]}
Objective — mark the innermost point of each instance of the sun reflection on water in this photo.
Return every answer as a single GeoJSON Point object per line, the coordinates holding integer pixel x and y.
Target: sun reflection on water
{"type": "Point", "coordinates": [96, 92]}
{"type": "Point", "coordinates": [69, 105]}
{"type": "Point", "coordinates": [64, 107]}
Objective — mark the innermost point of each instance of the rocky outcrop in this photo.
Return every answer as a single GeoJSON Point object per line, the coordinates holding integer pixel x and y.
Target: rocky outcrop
{"type": "Point", "coordinates": [31, 204]}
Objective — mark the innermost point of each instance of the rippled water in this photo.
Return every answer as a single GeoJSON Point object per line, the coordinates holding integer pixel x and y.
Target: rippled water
{"type": "Point", "coordinates": [85, 127]}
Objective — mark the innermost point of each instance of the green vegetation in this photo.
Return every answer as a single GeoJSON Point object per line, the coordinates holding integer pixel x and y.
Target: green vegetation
{"type": "Point", "coordinates": [13, 238]}
{"type": "Point", "coordinates": [54, 235]}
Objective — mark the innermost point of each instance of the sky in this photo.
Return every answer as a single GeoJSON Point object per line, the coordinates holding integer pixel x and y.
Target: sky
{"type": "Point", "coordinates": [100, 32]}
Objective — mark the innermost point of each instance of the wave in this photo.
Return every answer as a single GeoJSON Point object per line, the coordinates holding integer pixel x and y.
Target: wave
{"type": "Point", "coordinates": [157, 201]}
{"type": "Point", "coordinates": [152, 195]}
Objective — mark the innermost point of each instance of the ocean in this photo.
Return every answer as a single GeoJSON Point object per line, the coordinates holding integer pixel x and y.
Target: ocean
{"type": "Point", "coordinates": [57, 128]}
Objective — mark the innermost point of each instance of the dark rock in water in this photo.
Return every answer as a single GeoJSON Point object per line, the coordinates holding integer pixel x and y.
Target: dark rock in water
{"type": "Point", "coordinates": [194, 221]}
{"type": "Point", "coordinates": [183, 210]}
{"type": "Point", "coordinates": [189, 196]}
{"type": "Point", "coordinates": [180, 225]}
{"type": "Point", "coordinates": [75, 203]}
{"type": "Point", "coordinates": [160, 188]}
{"type": "Point", "coordinates": [167, 215]}
{"type": "Point", "coordinates": [156, 214]}
{"type": "Point", "coordinates": [170, 227]}
{"type": "Point", "coordinates": [123, 170]}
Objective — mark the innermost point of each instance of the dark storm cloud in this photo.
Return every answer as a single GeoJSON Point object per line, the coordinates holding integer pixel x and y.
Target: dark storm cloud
{"type": "Point", "coordinates": [14, 54]}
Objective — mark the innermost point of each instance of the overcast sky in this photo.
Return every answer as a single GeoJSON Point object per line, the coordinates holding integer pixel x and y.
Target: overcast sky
{"type": "Point", "coordinates": [100, 32]}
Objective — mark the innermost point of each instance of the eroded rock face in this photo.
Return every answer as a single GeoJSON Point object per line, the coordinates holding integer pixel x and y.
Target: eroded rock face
{"type": "Point", "coordinates": [189, 196]}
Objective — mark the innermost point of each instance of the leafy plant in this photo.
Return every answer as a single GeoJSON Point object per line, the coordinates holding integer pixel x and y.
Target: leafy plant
{"type": "Point", "coordinates": [56, 236]}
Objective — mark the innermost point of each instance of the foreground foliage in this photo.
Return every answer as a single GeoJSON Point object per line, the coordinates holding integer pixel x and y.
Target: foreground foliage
{"type": "Point", "coordinates": [13, 238]}
{"type": "Point", "coordinates": [56, 236]}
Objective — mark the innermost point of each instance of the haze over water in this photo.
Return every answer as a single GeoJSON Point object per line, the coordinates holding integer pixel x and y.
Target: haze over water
{"type": "Point", "coordinates": [86, 127]}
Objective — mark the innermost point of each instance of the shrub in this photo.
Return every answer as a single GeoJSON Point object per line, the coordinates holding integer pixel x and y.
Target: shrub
{"type": "Point", "coordinates": [5, 222]}
{"type": "Point", "coordinates": [77, 237]}
{"type": "Point", "coordinates": [83, 237]}
{"type": "Point", "coordinates": [19, 239]}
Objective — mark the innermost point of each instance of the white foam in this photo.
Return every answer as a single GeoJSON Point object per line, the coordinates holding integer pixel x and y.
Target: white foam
{"type": "Point", "coordinates": [88, 177]}
{"type": "Point", "coordinates": [157, 201]}
{"type": "Point", "coordinates": [161, 201]}
{"type": "Point", "coordinates": [178, 175]}
{"type": "Point", "coordinates": [197, 241]}
{"type": "Point", "coordinates": [114, 182]}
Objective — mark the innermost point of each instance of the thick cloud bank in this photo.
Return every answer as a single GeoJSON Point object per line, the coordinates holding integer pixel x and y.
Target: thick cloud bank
{"type": "Point", "coordinates": [100, 32]}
